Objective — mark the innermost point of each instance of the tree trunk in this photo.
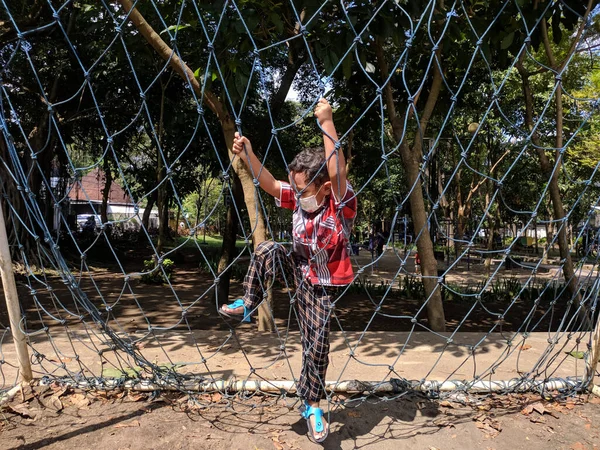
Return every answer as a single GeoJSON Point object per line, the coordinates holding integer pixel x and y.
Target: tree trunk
{"type": "Point", "coordinates": [435, 307]}
{"type": "Point", "coordinates": [105, 197]}
{"type": "Point", "coordinates": [555, 197]}
{"type": "Point", "coordinates": [147, 212]}
{"type": "Point", "coordinates": [411, 158]}
{"type": "Point", "coordinates": [177, 217]}
{"type": "Point", "coordinates": [163, 217]}
{"type": "Point", "coordinates": [258, 229]}
{"type": "Point", "coordinates": [228, 246]}
{"type": "Point", "coordinates": [228, 126]}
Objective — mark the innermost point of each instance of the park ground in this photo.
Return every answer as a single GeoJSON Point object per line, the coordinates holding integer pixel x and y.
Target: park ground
{"type": "Point", "coordinates": [55, 418]}
{"type": "Point", "coordinates": [126, 420]}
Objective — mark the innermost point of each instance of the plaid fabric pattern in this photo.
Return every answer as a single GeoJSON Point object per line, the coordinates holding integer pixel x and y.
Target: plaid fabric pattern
{"type": "Point", "coordinates": [321, 238]}
{"type": "Point", "coordinates": [313, 307]}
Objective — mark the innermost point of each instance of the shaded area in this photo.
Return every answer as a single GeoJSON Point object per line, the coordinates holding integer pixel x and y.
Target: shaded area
{"type": "Point", "coordinates": [132, 421]}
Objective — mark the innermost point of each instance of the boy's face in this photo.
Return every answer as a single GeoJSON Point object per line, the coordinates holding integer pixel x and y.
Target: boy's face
{"type": "Point", "coordinates": [298, 181]}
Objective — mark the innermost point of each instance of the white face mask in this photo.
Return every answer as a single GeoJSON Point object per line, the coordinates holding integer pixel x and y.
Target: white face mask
{"type": "Point", "coordinates": [309, 204]}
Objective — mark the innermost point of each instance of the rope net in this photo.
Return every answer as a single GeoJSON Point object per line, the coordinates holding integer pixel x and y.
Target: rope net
{"type": "Point", "coordinates": [469, 133]}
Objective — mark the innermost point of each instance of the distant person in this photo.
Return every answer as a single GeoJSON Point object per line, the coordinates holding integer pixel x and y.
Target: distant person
{"type": "Point", "coordinates": [380, 241]}
{"type": "Point", "coordinates": [324, 208]}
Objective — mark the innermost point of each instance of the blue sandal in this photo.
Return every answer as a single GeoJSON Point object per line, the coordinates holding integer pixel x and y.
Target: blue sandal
{"type": "Point", "coordinates": [306, 411]}
{"type": "Point", "coordinates": [241, 317]}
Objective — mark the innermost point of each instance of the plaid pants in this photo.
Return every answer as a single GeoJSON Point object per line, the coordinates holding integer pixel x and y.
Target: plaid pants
{"type": "Point", "coordinates": [313, 307]}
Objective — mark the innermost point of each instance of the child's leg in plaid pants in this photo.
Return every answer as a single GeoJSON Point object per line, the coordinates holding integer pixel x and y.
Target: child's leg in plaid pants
{"type": "Point", "coordinates": [270, 260]}
{"type": "Point", "coordinates": [313, 306]}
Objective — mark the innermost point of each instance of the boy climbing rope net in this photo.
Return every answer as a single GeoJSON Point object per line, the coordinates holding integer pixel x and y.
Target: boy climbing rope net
{"type": "Point", "coordinates": [324, 208]}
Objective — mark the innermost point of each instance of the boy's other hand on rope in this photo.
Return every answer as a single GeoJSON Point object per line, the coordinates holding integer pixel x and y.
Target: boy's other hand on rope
{"type": "Point", "coordinates": [238, 147]}
{"type": "Point", "coordinates": [323, 111]}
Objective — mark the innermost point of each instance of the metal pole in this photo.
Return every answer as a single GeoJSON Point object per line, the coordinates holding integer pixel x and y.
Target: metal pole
{"type": "Point", "coordinates": [350, 386]}
{"type": "Point", "coordinates": [12, 303]}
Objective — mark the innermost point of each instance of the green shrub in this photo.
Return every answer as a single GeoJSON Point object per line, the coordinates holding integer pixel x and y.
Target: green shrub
{"type": "Point", "coordinates": [158, 273]}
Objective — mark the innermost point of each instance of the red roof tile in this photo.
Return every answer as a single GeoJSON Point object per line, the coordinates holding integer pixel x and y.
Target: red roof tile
{"type": "Point", "coordinates": [91, 187]}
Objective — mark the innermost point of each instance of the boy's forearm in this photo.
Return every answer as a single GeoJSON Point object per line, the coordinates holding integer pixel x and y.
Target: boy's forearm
{"type": "Point", "coordinates": [336, 165]}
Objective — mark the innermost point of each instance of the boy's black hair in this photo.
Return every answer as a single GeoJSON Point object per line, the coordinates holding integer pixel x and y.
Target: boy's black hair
{"type": "Point", "coordinates": [311, 162]}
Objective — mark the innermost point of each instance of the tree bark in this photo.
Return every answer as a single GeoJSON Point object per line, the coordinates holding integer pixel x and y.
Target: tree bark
{"type": "Point", "coordinates": [411, 158]}
{"type": "Point", "coordinates": [553, 188]}
{"type": "Point", "coordinates": [229, 238]}
{"type": "Point", "coordinates": [105, 196]}
{"type": "Point", "coordinates": [147, 212]}
{"type": "Point", "coordinates": [255, 214]}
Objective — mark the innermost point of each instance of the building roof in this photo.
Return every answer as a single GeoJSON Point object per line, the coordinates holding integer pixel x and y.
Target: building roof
{"type": "Point", "coordinates": [91, 186]}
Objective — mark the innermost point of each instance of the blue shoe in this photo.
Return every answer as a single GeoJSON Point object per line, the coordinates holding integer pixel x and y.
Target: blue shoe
{"type": "Point", "coordinates": [306, 411]}
{"type": "Point", "coordinates": [225, 310]}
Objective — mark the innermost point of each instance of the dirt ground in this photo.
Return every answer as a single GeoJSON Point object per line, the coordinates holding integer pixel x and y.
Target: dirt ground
{"type": "Point", "coordinates": [119, 421]}
{"type": "Point", "coordinates": [54, 418]}
{"type": "Point", "coordinates": [135, 305]}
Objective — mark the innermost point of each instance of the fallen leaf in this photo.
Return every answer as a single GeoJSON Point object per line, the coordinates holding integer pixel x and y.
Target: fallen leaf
{"type": "Point", "coordinates": [443, 423]}
{"type": "Point", "coordinates": [276, 441]}
{"type": "Point", "coordinates": [60, 360]}
{"type": "Point", "coordinates": [134, 397]}
{"type": "Point", "coordinates": [216, 397]}
{"type": "Point", "coordinates": [488, 425]}
{"type": "Point", "coordinates": [79, 400]}
{"type": "Point", "coordinates": [525, 347]}
{"type": "Point", "coordinates": [22, 409]}
{"type": "Point", "coordinates": [133, 423]}
{"type": "Point", "coordinates": [577, 355]}
{"type": "Point", "coordinates": [539, 408]}
{"type": "Point", "coordinates": [447, 404]}
{"type": "Point", "coordinates": [353, 414]}
{"type": "Point", "coordinates": [569, 405]}
{"type": "Point", "coordinates": [53, 403]}
{"type": "Point", "coordinates": [577, 446]}
{"type": "Point", "coordinates": [527, 410]}
{"type": "Point", "coordinates": [537, 419]}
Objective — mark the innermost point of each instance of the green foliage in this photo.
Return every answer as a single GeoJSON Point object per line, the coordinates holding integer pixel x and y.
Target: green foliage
{"type": "Point", "coordinates": [156, 273]}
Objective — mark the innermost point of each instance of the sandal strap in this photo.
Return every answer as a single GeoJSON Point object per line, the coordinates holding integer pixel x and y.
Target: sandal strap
{"type": "Point", "coordinates": [240, 302]}
{"type": "Point", "coordinates": [318, 413]}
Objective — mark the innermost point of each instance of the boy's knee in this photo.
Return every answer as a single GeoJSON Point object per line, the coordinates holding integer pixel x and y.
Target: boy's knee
{"type": "Point", "coordinates": [266, 247]}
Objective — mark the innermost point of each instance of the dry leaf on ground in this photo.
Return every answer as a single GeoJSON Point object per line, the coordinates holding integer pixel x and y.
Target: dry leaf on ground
{"type": "Point", "coordinates": [447, 404]}
{"type": "Point", "coordinates": [443, 422]}
{"type": "Point", "coordinates": [133, 423]}
{"type": "Point", "coordinates": [537, 419]}
{"type": "Point", "coordinates": [276, 441]}
{"type": "Point", "coordinates": [134, 397]}
{"type": "Point", "coordinates": [539, 408]}
{"type": "Point", "coordinates": [527, 410]}
{"type": "Point", "coordinates": [79, 400]}
{"type": "Point", "coordinates": [23, 409]}
{"type": "Point", "coordinates": [53, 403]}
{"type": "Point", "coordinates": [488, 425]}
{"type": "Point", "coordinates": [577, 446]}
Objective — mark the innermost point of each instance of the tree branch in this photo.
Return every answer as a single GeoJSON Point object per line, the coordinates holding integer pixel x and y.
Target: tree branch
{"type": "Point", "coordinates": [175, 61]}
